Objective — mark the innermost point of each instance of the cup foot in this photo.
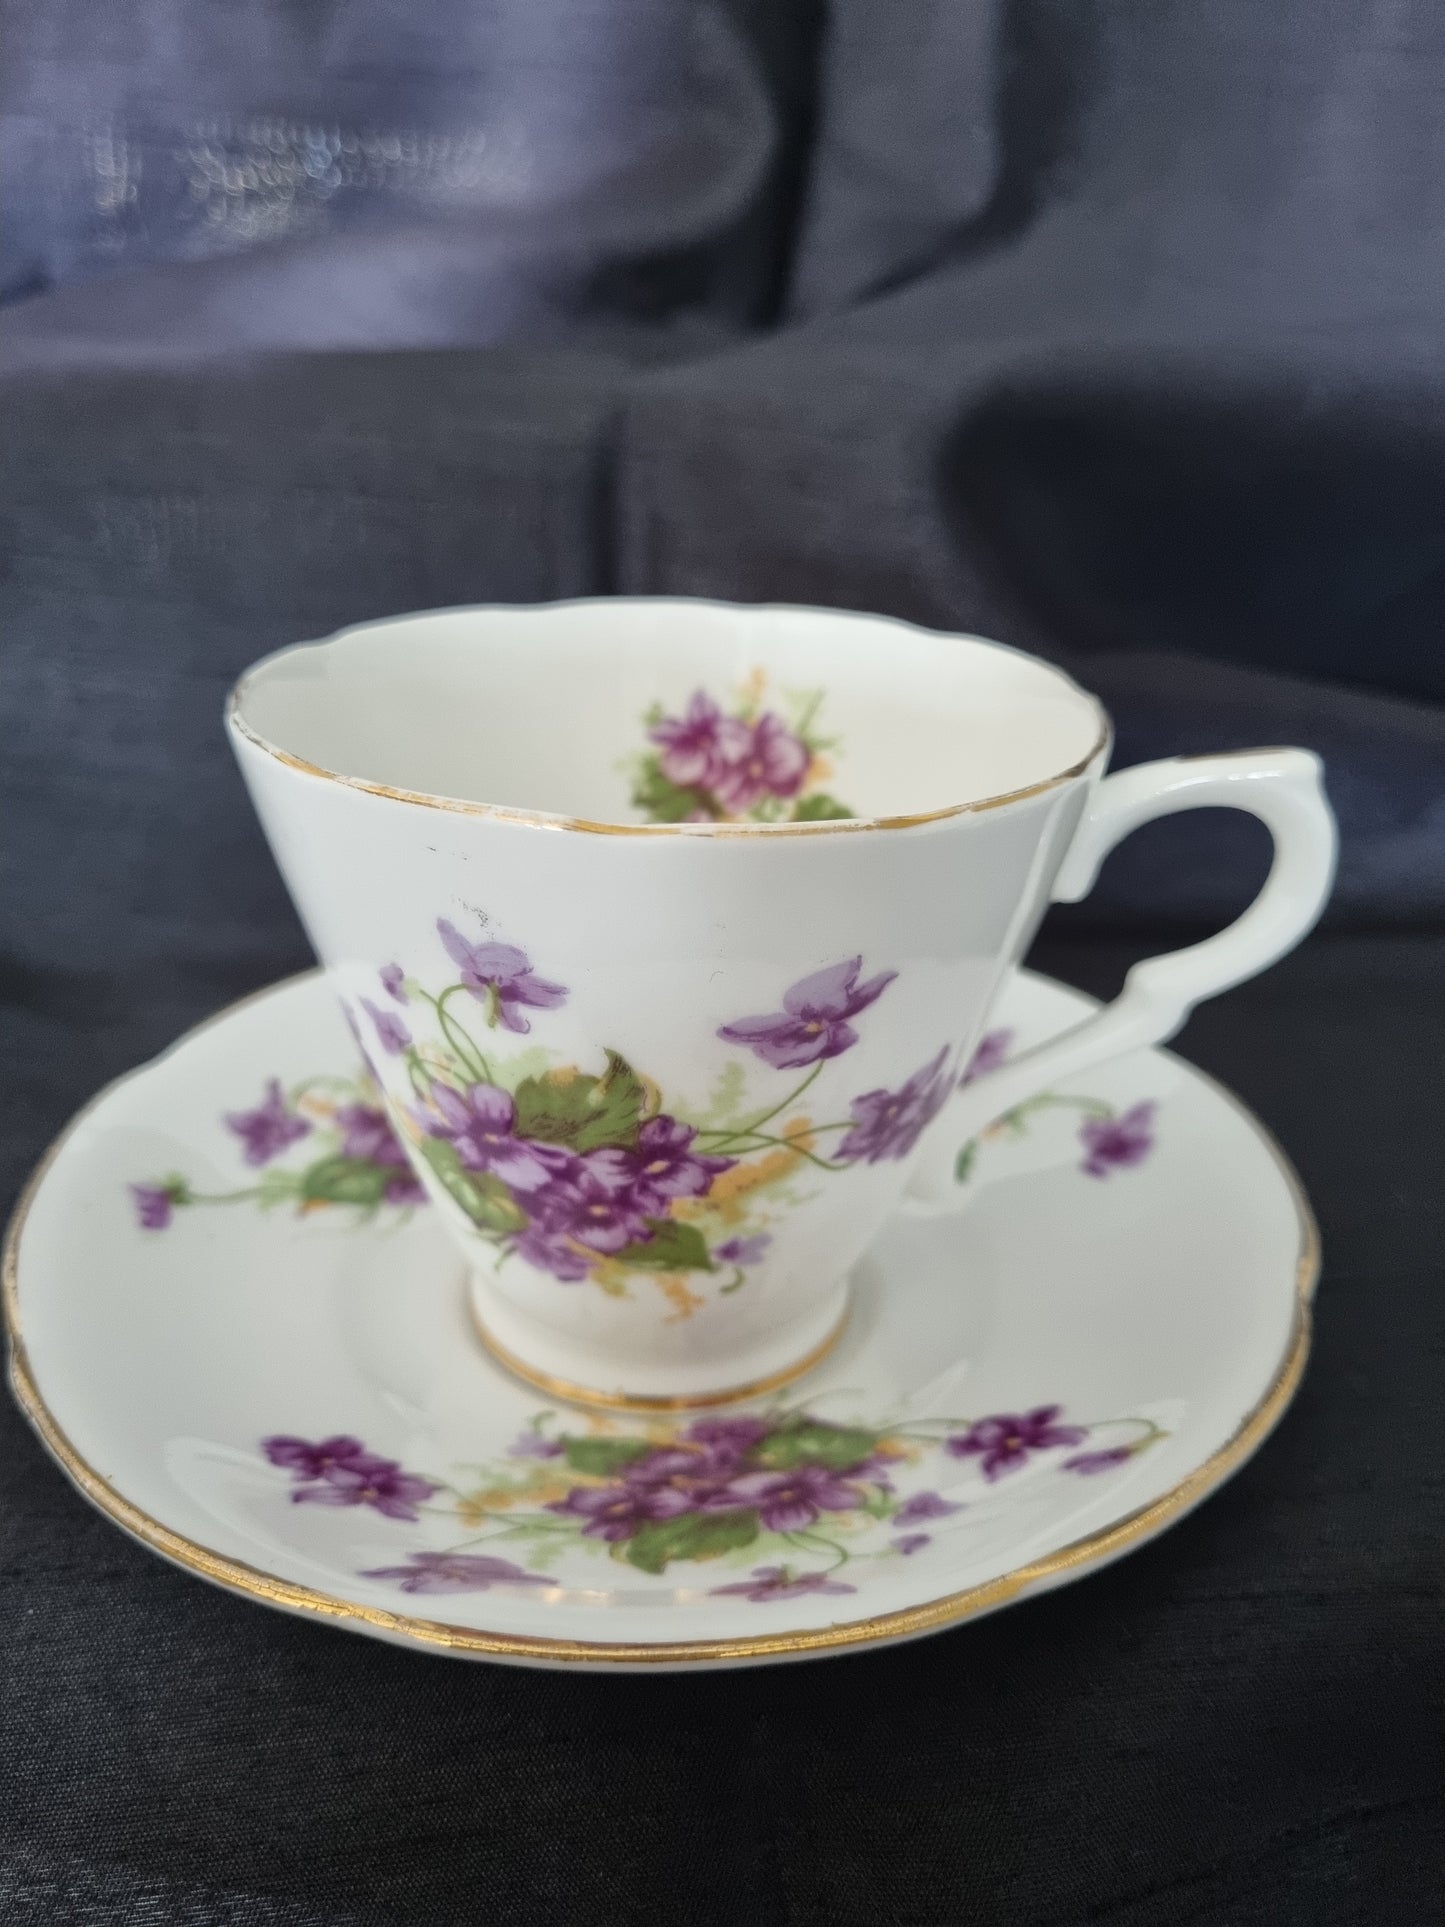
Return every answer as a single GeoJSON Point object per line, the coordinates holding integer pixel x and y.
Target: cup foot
{"type": "Point", "coordinates": [532, 1354]}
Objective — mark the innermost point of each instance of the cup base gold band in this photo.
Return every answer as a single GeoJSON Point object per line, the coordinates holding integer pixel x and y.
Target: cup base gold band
{"type": "Point", "coordinates": [569, 1393]}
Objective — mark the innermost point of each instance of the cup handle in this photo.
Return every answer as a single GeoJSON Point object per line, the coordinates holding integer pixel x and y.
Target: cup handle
{"type": "Point", "coordinates": [1284, 789]}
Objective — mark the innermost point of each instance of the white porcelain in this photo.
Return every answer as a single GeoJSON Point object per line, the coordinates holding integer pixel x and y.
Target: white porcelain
{"type": "Point", "coordinates": [665, 1081]}
{"type": "Point", "coordinates": [1137, 1256]}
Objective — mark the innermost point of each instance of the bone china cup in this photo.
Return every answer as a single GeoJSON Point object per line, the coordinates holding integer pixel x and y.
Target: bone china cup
{"type": "Point", "coordinates": [670, 930]}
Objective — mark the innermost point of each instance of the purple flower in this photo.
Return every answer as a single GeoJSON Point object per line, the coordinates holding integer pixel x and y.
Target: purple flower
{"type": "Point", "coordinates": [533, 1445]}
{"type": "Point", "coordinates": [456, 1572]}
{"type": "Point", "coordinates": [733, 1435]}
{"type": "Point", "coordinates": [384, 1487]}
{"type": "Point", "coordinates": [663, 1166]}
{"type": "Point", "coordinates": [1111, 1142]}
{"type": "Point", "coordinates": [989, 1054]}
{"type": "Point", "coordinates": [340, 1471]}
{"type": "Point", "coordinates": [481, 1124]}
{"type": "Point", "coordinates": [923, 1505]}
{"type": "Point", "coordinates": [553, 1251]}
{"type": "Point", "coordinates": [778, 1582]}
{"type": "Point", "coordinates": [742, 1251]}
{"type": "Point", "coordinates": [500, 976]}
{"type": "Point", "coordinates": [393, 982]}
{"type": "Point", "coordinates": [696, 745]}
{"type": "Point", "coordinates": [155, 1203]}
{"type": "Point", "coordinates": [1103, 1461]}
{"type": "Point", "coordinates": [887, 1124]}
{"type": "Point", "coordinates": [768, 760]}
{"type": "Point", "coordinates": [590, 1203]}
{"type": "Point", "coordinates": [366, 1135]}
{"type": "Point", "coordinates": [391, 1032]}
{"type": "Point", "coordinates": [270, 1128]}
{"type": "Point", "coordinates": [786, 1501]}
{"type": "Point", "coordinates": [615, 1511]}
{"type": "Point", "coordinates": [911, 1542]}
{"type": "Point", "coordinates": [813, 1023]}
{"type": "Point", "coordinates": [1004, 1441]}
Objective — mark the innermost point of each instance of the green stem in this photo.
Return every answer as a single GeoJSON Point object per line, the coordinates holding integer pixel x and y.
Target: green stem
{"type": "Point", "coordinates": [811, 1539]}
{"type": "Point", "coordinates": [458, 1037]}
{"type": "Point", "coordinates": [224, 1197]}
{"type": "Point", "coordinates": [740, 1278]}
{"type": "Point", "coordinates": [725, 1137]}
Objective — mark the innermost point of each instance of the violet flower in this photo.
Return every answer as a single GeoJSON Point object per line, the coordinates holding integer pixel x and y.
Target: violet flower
{"type": "Point", "coordinates": [155, 1203]}
{"type": "Point", "coordinates": [923, 1505]}
{"type": "Point", "coordinates": [1115, 1143]}
{"type": "Point", "coordinates": [771, 761]}
{"type": "Point", "coordinates": [501, 977]}
{"type": "Point", "coordinates": [553, 1251]}
{"type": "Point", "coordinates": [695, 745]}
{"type": "Point", "coordinates": [393, 982]}
{"type": "Point", "coordinates": [779, 1582]}
{"type": "Point", "coordinates": [270, 1128]}
{"type": "Point", "coordinates": [339, 1471]}
{"type": "Point", "coordinates": [481, 1123]}
{"type": "Point", "coordinates": [742, 1251]}
{"type": "Point", "coordinates": [366, 1135]}
{"type": "Point", "coordinates": [887, 1124]}
{"type": "Point", "coordinates": [911, 1542]}
{"type": "Point", "coordinates": [989, 1053]}
{"type": "Point", "coordinates": [1088, 1463]}
{"type": "Point", "coordinates": [1004, 1441]}
{"type": "Point", "coordinates": [662, 1167]}
{"type": "Point", "coordinates": [588, 1203]}
{"type": "Point", "coordinates": [616, 1511]}
{"type": "Point", "coordinates": [736, 1435]}
{"type": "Point", "coordinates": [392, 1034]}
{"type": "Point", "coordinates": [534, 1445]}
{"type": "Point", "coordinates": [786, 1501]}
{"type": "Point", "coordinates": [813, 1023]}
{"type": "Point", "coordinates": [456, 1572]}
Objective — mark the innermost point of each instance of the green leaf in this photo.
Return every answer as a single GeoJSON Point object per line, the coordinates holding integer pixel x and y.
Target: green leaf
{"type": "Point", "coordinates": [603, 1458]}
{"type": "Point", "coordinates": [806, 1442]}
{"type": "Point", "coordinates": [691, 1535]}
{"type": "Point", "coordinates": [672, 1247]}
{"type": "Point", "coordinates": [484, 1198]}
{"type": "Point", "coordinates": [820, 809]}
{"type": "Point", "coordinates": [663, 802]}
{"type": "Point", "coordinates": [584, 1113]}
{"type": "Point", "coordinates": [963, 1164]}
{"type": "Point", "coordinates": [344, 1181]}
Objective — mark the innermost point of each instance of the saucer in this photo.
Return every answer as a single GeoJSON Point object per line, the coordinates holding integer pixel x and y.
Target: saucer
{"type": "Point", "coordinates": [234, 1326]}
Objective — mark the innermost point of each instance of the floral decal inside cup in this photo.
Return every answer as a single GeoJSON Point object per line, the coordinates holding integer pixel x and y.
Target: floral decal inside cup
{"type": "Point", "coordinates": [743, 764]}
{"type": "Point", "coordinates": [805, 1494]}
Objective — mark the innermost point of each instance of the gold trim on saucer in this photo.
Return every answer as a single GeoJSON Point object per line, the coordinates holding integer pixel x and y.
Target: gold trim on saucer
{"type": "Point", "coordinates": [573, 1394]}
{"type": "Point", "coordinates": [1093, 1549]}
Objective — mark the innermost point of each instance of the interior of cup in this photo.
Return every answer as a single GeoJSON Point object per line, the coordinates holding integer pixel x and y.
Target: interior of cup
{"type": "Point", "coordinates": [681, 712]}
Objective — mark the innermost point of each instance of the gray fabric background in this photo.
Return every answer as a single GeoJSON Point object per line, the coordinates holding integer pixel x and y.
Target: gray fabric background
{"type": "Point", "coordinates": [1111, 328]}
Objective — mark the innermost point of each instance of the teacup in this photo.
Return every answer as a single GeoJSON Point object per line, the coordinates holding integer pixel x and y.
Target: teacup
{"type": "Point", "coordinates": [669, 928]}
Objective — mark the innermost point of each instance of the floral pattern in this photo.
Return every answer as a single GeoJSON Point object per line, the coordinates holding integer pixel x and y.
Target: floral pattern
{"type": "Point", "coordinates": [353, 1156]}
{"type": "Point", "coordinates": [806, 1494]}
{"type": "Point", "coordinates": [586, 1175]}
{"type": "Point", "coordinates": [1111, 1140]}
{"type": "Point", "coordinates": [590, 1174]}
{"type": "Point", "coordinates": [745, 764]}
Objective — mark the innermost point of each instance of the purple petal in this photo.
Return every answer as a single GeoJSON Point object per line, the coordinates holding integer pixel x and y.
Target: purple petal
{"type": "Point", "coordinates": [911, 1542]}
{"type": "Point", "coordinates": [826, 993]}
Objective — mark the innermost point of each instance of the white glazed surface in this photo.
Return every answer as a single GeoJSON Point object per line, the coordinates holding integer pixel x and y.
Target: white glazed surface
{"type": "Point", "coordinates": [1163, 1293]}
{"type": "Point", "coordinates": [445, 789]}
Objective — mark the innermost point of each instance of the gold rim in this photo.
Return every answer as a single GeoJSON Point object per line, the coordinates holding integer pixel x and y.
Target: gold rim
{"type": "Point", "coordinates": [951, 1609]}
{"type": "Point", "coordinates": [574, 1394]}
{"type": "Point", "coordinates": [541, 820]}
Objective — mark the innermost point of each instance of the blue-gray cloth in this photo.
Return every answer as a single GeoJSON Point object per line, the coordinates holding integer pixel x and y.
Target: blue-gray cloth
{"type": "Point", "coordinates": [1111, 328]}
